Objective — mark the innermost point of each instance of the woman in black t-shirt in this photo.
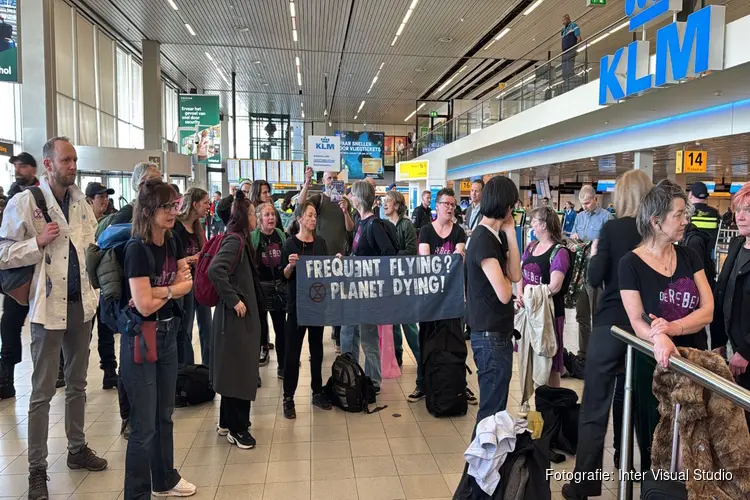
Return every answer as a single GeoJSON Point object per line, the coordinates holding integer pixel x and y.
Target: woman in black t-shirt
{"type": "Point", "coordinates": [191, 233]}
{"type": "Point", "coordinates": [303, 243]}
{"type": "Point", "coordinates": [493, 264]}
{"type": "Point", "coordinates": [668, 283]}
{"type": "Point", "coordinates": [157, 273]}
{"type": "Point", "coordinates": [267, 241]}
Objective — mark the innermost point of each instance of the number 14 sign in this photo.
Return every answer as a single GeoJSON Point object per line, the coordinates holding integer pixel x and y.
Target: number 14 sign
{"type": "Point", "coordinates": [691, 162]}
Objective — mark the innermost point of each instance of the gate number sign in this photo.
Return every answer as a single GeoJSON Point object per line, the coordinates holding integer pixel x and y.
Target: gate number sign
{"type": "Point", "coordinates": [691, 162]}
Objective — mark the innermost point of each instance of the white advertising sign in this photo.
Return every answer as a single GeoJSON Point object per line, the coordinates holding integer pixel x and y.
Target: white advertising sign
{"type": "Point", "coordinates": [324, 152]}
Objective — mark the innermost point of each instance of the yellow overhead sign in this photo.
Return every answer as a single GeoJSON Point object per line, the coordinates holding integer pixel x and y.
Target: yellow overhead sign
{"type": "Point", "coordinates": [465, 186]}
{"type": "Point", "coordinates": [412, 170]}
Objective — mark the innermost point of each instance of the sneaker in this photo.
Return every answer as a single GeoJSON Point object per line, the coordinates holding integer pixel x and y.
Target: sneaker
{"type": "Point", "coordinates": [471, 398]}
{"type": "Point", "coordinates": [125, 429]}
{"type": "Point", "coordinates": [377, 389]}
{"type": "Point", "coordinates": [221, 431]}
{"type": "Point", "coordinates": [181, 489]}
{"type": "Point", "coordinates": [86, 459]}
{"type": "Point", "coordinates": [280, 373]}
{"type": "Point", "coordinates": [60, 381]}
{"type": "Point", "coordinates": [321, 401]}
{"type": "Point", "coordinates": [417, 395]}
{"type": "Point", "coordinates": [7, 389]}
{"type": "Point", "coordinates": [338, 349]}
{"type": "Point", "coordinates": [38, 484]}
{"type": "Point", "coordinates": [289, 411]}
{"type": "Point", "coordinates": [271, 347]}
{"type": "Point", "coordinates": [110, 378]}
{"type": "Point", "coordinates": [260, 382]}
{"type": "Point", "coordinates": [569, 493]}
{"type": "Point", "coordinates": [243, 440]}
{"type": "Point", "coordinates": [263, 356]}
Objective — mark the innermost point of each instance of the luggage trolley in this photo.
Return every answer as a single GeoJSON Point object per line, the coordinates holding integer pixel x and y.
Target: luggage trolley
{"type": "Point", "coordinates": [722, 245]}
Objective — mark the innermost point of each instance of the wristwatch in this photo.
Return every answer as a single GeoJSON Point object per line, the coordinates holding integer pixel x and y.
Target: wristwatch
{"type": "Point", "coordinates": [169, 293]}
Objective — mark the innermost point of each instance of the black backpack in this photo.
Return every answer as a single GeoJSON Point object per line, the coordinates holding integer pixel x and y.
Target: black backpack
{"type": "Point", "coordinates": [193, 386]}
{"type": "Point", "coordinates": [445, 383]}
{"type": "Point", "coordinates": [349, 388]}
{"type": "Point", "coordinates": [390, 230]}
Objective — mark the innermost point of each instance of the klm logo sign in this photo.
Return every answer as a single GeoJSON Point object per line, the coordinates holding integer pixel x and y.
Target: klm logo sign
{"type": "Point", "coordinates": [683, 49]}
{"type": "Point", "coordinates": [325, 144]}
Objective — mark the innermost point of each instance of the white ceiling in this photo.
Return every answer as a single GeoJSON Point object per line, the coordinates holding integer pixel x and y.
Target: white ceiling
{"type": "Point", "coordinates": [348, 40]}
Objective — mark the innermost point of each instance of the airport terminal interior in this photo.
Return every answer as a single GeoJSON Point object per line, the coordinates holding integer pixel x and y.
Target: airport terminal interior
{"type": "Point", "coordinates": [427, 100]}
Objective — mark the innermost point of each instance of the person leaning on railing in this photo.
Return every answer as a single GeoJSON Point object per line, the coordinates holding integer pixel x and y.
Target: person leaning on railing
{"type": "Point", "coordinates": [668, 284]}
{"type": "Point", "coordinates": [732, 293]}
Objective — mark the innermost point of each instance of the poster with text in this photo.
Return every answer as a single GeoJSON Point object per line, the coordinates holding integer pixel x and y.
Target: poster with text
{"type": "Point", "coordinates": [200, 112]}
{"type": "Point", "coordinates": [8, 41]}
{"type": "Point", "coordinates": [362, 153]}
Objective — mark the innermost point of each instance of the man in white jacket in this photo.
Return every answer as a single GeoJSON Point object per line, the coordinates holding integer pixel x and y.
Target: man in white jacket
{"type": "Point", "coordinates": [61, 300]}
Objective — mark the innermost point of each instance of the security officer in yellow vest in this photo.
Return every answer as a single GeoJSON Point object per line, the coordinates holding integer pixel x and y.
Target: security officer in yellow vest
{"type": "Point", "coordinates": [703, 229]}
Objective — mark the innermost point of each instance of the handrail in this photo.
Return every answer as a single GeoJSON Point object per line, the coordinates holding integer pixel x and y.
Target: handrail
{"type": "Point", "coordinates": [703, 377]}
{"type": "Point", "coordinates": [519, 78]}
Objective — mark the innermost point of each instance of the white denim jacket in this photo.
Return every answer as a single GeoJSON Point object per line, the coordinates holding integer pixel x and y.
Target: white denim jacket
{"type": "Point", "coordinates": [22, 223]}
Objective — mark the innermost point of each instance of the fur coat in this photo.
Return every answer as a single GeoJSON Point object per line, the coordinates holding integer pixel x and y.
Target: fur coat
{"type": "Point", "coordinates": [713, 431]}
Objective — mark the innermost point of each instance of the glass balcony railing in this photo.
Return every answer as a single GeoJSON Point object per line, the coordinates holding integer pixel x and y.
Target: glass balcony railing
{"type": "Point", "coordinates": [547, 80]}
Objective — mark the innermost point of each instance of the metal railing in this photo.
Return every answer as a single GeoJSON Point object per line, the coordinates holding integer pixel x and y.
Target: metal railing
{"type": "Point", "coordinates": [549, 79]}
{"type": "Point", "coordinates": [696, 373]}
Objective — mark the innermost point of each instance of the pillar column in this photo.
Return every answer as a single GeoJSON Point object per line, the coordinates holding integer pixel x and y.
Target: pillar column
{"type": "Point", "coordinates": [644, 160]}
{"type": "Point", "coordinates": [38, 92]}
{"type": "Point", "coordinates": [151, 75]}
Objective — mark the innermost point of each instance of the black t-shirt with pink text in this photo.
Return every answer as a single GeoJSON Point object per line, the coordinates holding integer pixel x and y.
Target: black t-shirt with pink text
{"type": "Point", "coordinates": [268, 256]}
{"type": "Point", "coordinates": [669, 297]}
{"type": "Point", "coordinates": [442, 246]}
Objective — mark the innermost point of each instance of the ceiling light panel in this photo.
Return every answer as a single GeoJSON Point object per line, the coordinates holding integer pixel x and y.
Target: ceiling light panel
{"type": "Point", "coordinates": [190, 29]}
{"type": "Point", "coordinates": [375, 78]}
{"type": "Point", "coordinates": [172, 4]}
{"type": "Point", "coordinates": [414, 112]}
{"type": "Point", "coordinates": [293, 15]}
{"type": "Point", "coordinates": [405, 20]}
{"type": "Point", "coordinates": [532, 7]}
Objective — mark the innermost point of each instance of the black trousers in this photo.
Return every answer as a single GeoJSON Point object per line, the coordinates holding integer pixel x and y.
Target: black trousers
{"type": "Point", "coordinates": [278, 318]}
{"type": "Point", "coordinates": [105, 342]}
{"type": "Point", "coordinates": [234, 414]}
{"type": "Point", "coordinates": [295, 336]}
{"type": "Point", "coordinates": [604, 360]}
{"type": "Point", "coordinates": [14, 316]}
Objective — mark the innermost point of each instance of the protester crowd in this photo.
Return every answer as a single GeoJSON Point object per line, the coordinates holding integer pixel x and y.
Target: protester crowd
{"type": "Point", "coordinates": [650, 271]}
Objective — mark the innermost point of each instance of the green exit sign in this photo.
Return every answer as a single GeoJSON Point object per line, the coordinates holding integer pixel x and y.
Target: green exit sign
{"type": "Point", "coordinates": [590, 3]}
{"type": "Point", "coordinates": [433, 113]}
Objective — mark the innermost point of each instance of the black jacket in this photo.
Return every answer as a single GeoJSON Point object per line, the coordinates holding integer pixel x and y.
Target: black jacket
{"type": "Point", "coordinates": [703, 243]}
{"type": "Point", "coordinates": [740, 307]}
{"type": "Point", "coordinates": [420, 217]}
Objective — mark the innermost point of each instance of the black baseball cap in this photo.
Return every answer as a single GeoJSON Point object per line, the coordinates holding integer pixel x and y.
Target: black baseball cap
{"type": "Point", "coordinates": [24, 158]}
{"type": "Point", "coordinates": [699, 190]}
{"type": "Point", "coordinates": [95, 188]}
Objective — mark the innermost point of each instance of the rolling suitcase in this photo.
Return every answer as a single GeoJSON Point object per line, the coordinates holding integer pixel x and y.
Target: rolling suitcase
{"type": "Point", "coordinates": [653, 488]}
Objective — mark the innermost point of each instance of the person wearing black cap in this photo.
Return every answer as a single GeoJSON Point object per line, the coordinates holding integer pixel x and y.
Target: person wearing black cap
{"type": "Point", "coordinates": [703, 229]}
{"type": "Point", "coordinates": [97, 194]}
{"type": "Point", "coordinates": [14, 314]}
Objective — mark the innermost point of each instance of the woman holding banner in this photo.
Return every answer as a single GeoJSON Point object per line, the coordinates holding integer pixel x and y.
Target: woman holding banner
{"type": "Point", "coordinates": [443, 237]}
{"type": "Point", "coordinates": [493, 264]}
{"type": "Point", "coordinates": [370, 239]}
{"type": "Point", "coordinates": [394, 207]}
{"type": "Point", "coordinates": [303, 243]}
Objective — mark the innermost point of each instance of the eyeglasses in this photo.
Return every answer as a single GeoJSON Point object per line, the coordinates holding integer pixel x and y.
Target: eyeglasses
{"type": "Point", "coordinates": [447, 204]}
{"type": "Point", "coordinates": [168, 207]}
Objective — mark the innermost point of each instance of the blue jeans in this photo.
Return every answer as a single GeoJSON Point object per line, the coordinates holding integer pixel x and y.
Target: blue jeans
{"type": "Point", "coordinates": [191, 308]}
{"type": "Point", "coordinates": [493, 355]}
{"type": "Point", "coordinates": [350, 340]}
{"type": "Point", "coordinates": [412, 338]}
{"type": "Point", "coordinates": [149, 461]}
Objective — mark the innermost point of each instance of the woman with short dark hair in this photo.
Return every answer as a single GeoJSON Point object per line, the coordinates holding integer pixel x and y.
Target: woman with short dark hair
{"type": "Point", "coordinates": [493, 264]}
{"type": "Point", "coordinates": [236, 339]}
{"type": "Point", "coordinates": [260, 192]}
{"type": "Point", "coordinates": [157, 274]}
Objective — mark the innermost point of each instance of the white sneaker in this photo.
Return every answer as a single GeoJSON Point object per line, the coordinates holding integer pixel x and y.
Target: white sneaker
{"type": "Point", "coordinates": [221, 431]}
{"type": "Point", "coordinates": [181, 489]}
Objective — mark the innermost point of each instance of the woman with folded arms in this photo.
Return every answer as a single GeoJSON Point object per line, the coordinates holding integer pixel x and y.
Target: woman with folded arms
{"type": "Point", "coordinates": [236, 339]}
{"type": "Point", "coordinates": [157, 274]}
{"type": "Point", "coordinates": [606, 358]}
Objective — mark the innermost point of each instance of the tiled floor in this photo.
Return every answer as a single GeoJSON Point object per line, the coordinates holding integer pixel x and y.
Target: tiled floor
{"type": "Point", "coordinates": [400, 452]}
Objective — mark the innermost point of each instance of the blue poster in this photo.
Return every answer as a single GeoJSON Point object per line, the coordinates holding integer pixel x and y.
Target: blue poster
{"type": "Point", "coordinates": [362, 153]}
{"type": "Point", "coordinates": [357, 290]}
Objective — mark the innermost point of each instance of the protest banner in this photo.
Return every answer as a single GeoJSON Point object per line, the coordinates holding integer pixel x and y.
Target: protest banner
{"type": "Point", "coordinates": [379, 290]}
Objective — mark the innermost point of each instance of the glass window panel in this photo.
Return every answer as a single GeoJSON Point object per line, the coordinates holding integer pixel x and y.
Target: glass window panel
{"type": "Point", "coordinates": [64, 47]}
{"type": "Point", "coordinates": [179, 180]}
{"type": "Point", "coordinates": [123, 135]}
{"type": "Point", "coordinates": [136, 137]}
{"type": "Point", "coordinates": [123, 86]}
{"type": "Point", "coordinates": [65, 116]}
{"type": "Point", "coordinates": [8, 121]}
{"type": "Point", "coordinates": [108, 132]}
{"type": "Point", "coordinates": [243, 137]}
{"type": "Point", "coordinates": [85, 53]}
{"type": "Point", "coordinates": [106, 74]}
{"type": "Point", "coordinates": [88, 134]}
{"type": "Point", "coordinates": [136, 93]}
{"type": "Point", "coordinates": [123, 191]}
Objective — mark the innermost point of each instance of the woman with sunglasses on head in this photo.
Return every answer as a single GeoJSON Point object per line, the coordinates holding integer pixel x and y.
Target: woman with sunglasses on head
{"type": "Point", "coordinates": [303, 243]}
{"type": "Point", "coordinates": [443, 237]}
{"type": "Point", "coordinates": [189, 229]}
{"type": "Point", "coordinates": [157, 273]}
{"type": "Point", "coordinates": [236, 339]}
{"type": "Point", "coordinates": [260, 193]}
{"type": "Point", "coordinates": [267, 241]}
